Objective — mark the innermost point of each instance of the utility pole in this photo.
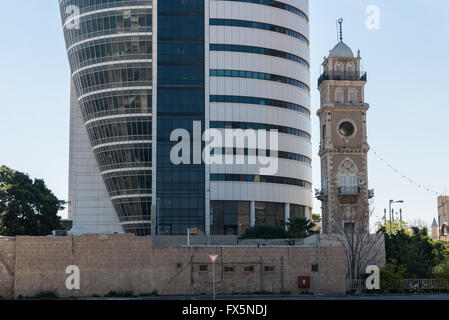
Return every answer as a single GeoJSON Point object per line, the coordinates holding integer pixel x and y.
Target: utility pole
{"type": "Point", "coordinates": [158, 237]}
{"type": "Point", "coordinates": [319, 265]}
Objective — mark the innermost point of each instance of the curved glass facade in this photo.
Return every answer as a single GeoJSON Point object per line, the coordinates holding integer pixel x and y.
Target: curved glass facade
{"type": "Point", "coordinates": [200, 67]}
{"type": "Point", "coordinates": [110, 56]}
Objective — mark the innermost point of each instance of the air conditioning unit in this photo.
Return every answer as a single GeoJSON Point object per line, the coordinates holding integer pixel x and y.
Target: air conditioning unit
{"type": "Point", "coordinates": [59, 233]}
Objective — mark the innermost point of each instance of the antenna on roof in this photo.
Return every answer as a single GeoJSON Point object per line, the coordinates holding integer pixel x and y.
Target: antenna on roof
{"type": "Point", "coordinates": [340, 22]}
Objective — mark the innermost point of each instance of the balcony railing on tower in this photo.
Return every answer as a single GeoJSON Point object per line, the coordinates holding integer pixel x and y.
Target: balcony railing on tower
{"type": "Point", "coordinates": [350, 76]}
{"type": "Point", "coordinates": [320, 194]}
{"type": "Point", "coordinates": [348, 191]}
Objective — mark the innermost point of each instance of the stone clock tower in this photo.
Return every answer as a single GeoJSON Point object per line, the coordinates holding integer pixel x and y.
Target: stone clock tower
{"type": "Point", "coordinates": [343, 147]}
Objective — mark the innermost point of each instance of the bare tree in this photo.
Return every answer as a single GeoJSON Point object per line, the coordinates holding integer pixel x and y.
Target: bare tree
{"type": "Point", "coordinates": [361, 247]}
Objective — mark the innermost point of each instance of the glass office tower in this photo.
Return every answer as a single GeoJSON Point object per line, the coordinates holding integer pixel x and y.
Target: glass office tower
{"type": "Point", "coordinates": [142, 69]}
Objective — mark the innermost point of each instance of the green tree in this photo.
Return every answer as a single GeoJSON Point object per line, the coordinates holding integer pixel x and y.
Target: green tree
{"type": "Point", "coordinates": [27, 207]}
{"type": "Point", "coordinates": [391, 275]}
{"type": "Point", "coordinates": [415, 251]}
{"type": "Point", "coordinates": [300, 227]}
{"type": "Point", "coordinates": [441, 271]}
{"type": "Point", "coordinates": [316, 217]}
{"type": "Point", "coordinates": [384, 227]}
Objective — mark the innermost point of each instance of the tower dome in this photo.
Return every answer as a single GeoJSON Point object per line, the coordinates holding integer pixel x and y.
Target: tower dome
{"type": "Point", "coordinates": [341, 50]}
{"type": "Point", "coordinates": [434, 224]}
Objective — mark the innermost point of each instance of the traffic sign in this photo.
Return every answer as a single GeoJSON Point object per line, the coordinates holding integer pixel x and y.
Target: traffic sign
{"type": "Point", "coordinates": [213, 257]}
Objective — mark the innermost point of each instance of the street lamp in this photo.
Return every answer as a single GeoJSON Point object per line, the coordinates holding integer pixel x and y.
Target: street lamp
{"type": "Point", "coordinates": [391, 202]}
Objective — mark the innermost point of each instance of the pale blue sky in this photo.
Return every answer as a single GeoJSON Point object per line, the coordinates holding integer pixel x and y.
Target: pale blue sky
{"type": "Point", "coordinates": [407, 90]}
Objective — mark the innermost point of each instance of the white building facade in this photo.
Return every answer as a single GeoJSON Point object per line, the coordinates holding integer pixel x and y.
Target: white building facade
{"type": "Point", "coordinates": [227, 64]}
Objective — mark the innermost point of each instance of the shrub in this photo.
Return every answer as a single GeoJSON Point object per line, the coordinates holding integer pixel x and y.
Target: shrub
{"type": "Point", "coordinates": [441, 272]}
{"type": "Point", "coordinates": [390, 276]}
{"type": "Point", "coordinates": [265, 232]}
{"type": "Point", "coordinates": [300, 228]}
{"type": "Point", "coordinates": [44, 295]}
{"type": "Point", "coordinates": [153, 293]}
{"type": "Point", "coordinates": [124, 294]}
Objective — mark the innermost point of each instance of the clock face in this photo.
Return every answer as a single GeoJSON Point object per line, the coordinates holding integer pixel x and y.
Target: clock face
{"type": "Point", "coordinates": [346, 129]}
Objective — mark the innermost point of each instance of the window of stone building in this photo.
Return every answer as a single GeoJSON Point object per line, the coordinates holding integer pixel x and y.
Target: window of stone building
{"type": "Point", "coordinates": [204, 268]}
{"type": "Point", "coordinates": [339, 95]}
{"type": "Point", "coordinates": [352, 96]}
{"type": "Point", "coordinates": [339, 70]}
{"type": "Point", "coordinates": [229, 269]}
{"type": "Point", "coordinates": [350, 70]}
{"type": "Point", "coordinates": [248, 269]}
{"type": "Point", "coordinates": [314, 268]}
{"type": "Point", "coordinates": [349, 228]}
{"type": "Point", "coordinates": [269, 268]}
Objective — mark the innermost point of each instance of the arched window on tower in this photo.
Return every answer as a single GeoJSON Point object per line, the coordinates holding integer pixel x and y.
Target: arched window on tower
{"type": "Point", "coordinates": [350, 72]}
{"type": "Point", "coordinates": [339, 71]}
{"type": "Point", "coordinates": [352, 96]}
{"type": "Point", "coordinates": [444, 229]}
{"type": "Point", "coordinates": [348, 179]}
{"type": "Point", "coordinates": [339, 95]}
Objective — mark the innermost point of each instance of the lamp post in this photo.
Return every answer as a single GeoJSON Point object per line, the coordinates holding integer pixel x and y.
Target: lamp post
{"type": "Point", "coordinates": [391, 202]}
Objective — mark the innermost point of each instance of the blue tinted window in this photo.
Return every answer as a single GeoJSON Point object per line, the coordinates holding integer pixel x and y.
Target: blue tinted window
{"type": "Point", "coordinates": [258, 25]}
{"type": "Point", "coordinates": [259, 75]}
{"type": "Point", "coordinates": [260, 101]}
{"type": "Point", "coordinates": [181, 101]}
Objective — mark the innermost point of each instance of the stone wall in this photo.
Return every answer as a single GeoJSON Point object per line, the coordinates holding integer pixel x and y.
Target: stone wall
{"type": "Point", "coordinates": [123, 263]}
{"type": "Point", "coordinates": [7, 266]}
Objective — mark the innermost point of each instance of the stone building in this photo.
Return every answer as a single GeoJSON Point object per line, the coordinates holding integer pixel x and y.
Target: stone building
{"type": "Point", "coordinates": [435, 233]}
{"type": "Point", "coordinates": [343, 145]}
{"type": "Point", "coordinates": [443, 217]}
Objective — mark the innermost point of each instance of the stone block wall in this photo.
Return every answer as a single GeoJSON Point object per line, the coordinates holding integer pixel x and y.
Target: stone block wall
{"type": "Point", "coordinates": [7, 266]}
{"type": "Point", "coordinates": [124, 263]}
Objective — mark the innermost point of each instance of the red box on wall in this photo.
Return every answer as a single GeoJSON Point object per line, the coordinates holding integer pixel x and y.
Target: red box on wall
{"type": "Point", "coordinates": [304, 282]}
